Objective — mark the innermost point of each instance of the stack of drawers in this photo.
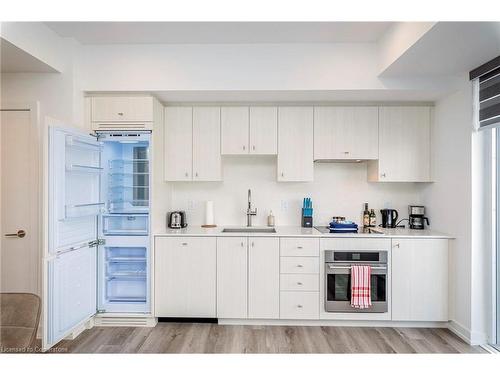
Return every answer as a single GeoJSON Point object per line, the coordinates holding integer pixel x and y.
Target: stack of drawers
{"type": "Point", "coordinates": [299, 278]}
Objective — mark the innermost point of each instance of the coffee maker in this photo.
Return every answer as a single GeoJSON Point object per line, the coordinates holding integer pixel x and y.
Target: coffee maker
{"type": "Point", "coordinates": [416, 217]}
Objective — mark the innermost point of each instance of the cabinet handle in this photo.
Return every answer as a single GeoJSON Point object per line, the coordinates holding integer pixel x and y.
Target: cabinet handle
{"type": "Point", "coordinates": [196, 174]}
{"type": "Point", "coordinates": [382, 175]}
{"type": "Point", "coordinates": [120, 113]}
{"type": "Point", "coordinates": [346, 152]}
{"type": "Point", "coordinates": [184, 244]}
{"type": "Point", "coordinates": [396, 245]}
{"type": "Point", "coordinates": [253, 148]}
{"type": "Point", "coordinates": [242, 244]}
{"type": "Point", "coordinates": [282, 174]}
{"type": "Point", "coordinates": [299, 306]}
{"type": "Point", "coordinates": [299, 283]}
{"type": "Point", "coordinates": [253, 244]}
{"type": "Point", "coordinates": [187, 174]}
{"type": "Point", "coordinates": [300, 265]}
{"type": "Point", "coordinates": [299, 247]}
{"type": "Point", "coordinates": [244, 148]}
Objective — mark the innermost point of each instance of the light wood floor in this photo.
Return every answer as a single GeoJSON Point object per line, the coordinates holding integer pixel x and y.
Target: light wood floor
{"type": "Point", "coordinates": [213, 338]}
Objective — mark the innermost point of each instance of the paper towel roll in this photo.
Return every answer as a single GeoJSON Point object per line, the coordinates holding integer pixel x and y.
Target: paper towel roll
{"type": "Point", "coordinates": [209, 213]}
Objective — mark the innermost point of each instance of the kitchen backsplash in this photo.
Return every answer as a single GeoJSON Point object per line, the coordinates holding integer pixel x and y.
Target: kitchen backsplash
{"type": "Point", "coordinates": [339, 189]}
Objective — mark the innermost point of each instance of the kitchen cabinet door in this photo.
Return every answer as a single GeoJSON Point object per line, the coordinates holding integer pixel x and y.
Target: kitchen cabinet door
{"type": "Point", "coordinates": [234, 130]}
{"type": "Point", "coordinates": [263, 131]}
{"type": "Point", "coordinates": [295, 144]}
{"type": "Point", "coordinates": [206, 144]}
{"type": "Point", "coordinates": [232, 277]}
{"type": "Point", "coordinates": [185, 277]}
{"type": "Point", "coordinates": [345, 133]}
{"type": "Point", "coordinates": [420, 280]}
{"type": "Point", "coordinates": [178, 151]}
{"type": "Point", "coordinates": [122, 112]}
{"type": "Point", "coordinates": [404, 145]}
{"type": "Point", "coordinates": [263, 278]}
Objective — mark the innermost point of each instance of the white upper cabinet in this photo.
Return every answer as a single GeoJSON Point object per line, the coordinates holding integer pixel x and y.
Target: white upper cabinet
{"type": "Point", "coordinates": [420, 280]}
{"type": "Point", "coordinates": [178, 143]}
{"type": "Point", "coordinates": [263, 131]}
{"type": "Point", "coordinates": [122, 112]}
{"type": "Point", "coordinates": [345, 133]}
{"type": "Point", "coordinates": [249, 130]}
{"type": "Point", "coordinates": [404, 145]}
{"type": "Point", "coordinates": [234, 128]}
{"type": "Point", "coordinates": [206, 144]}
{"type": "Point", "coordinates": [295, 144]}
{"type": "Point", "coordinates": [192, 144]}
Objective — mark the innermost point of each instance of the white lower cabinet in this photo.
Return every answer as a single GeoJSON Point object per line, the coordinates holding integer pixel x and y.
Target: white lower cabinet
{"type": "Point", "coordinates": [299, 278]}
{"type": "Point", "coordinates": [185, 277]}
{"type": "Point", "coordinates": [299, 305]}
{"type": "Point", "coordinates": [232, 266]}
{"type": "Point", "coordinates": [420, 280]}
{"type": "Point", "coordinates": [263, 278]}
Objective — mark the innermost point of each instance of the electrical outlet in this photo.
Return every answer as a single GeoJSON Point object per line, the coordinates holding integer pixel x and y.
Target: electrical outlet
{"type": "Point", "coordinates": [284, 205]}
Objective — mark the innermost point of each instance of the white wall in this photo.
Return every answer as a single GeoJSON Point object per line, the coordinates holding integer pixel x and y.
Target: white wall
{"type": "Point", "coordinates": [339, 189]}
{"type": "Point", "coordinates": [59, 94]}
{"type": "Point", "coordinates": [459, 203]}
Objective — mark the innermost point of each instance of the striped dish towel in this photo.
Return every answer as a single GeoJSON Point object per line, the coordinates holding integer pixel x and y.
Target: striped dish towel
{"type": "Point", "coordinates": [361, 287]}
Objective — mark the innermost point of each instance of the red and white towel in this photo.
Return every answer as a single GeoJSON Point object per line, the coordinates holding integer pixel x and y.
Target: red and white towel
{"type": "Point", "coordinates": [361, 287]}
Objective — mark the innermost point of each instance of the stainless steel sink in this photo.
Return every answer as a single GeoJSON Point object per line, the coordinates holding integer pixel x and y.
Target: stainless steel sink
{"type": "Point", "coordinates": [249, 230]}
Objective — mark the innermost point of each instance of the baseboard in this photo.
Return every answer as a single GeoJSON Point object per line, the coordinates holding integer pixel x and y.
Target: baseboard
{"type": "Point", "coordinates": [188, 320]}
{"type": "Point", "coordinates": [333, 323]}
{"type": "Point", "coordinates": [459, 330]}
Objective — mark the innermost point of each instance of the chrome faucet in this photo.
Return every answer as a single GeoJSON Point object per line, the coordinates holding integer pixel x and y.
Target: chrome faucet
{"type": "Point", "coordinates": [250, 212]}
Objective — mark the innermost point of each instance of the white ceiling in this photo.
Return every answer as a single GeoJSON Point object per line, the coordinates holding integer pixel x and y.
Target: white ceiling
{"type": "Point", "coordinates": [448, 48]}
{"type": "Point", "coordinates": [220, 32]}
{"type": "Point", "coordinates": [16, 60]}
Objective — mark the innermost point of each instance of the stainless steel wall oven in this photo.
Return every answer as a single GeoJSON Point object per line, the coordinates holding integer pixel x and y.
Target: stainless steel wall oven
{"type": "Point", "coordinates": [338, 279]}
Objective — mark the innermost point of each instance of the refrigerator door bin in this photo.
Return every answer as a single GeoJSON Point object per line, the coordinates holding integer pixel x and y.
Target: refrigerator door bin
{"type": "Point", "coordinates": [125, 225]}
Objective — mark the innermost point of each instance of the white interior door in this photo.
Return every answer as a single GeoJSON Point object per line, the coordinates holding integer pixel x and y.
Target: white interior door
{"type": "Point", "coordinates": [19, 203]}
{"type": "Point", "coordinates": [70, 260]}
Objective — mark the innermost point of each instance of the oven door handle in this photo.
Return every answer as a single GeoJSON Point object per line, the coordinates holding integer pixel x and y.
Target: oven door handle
{"type": "Point", "coordinates": [349, 267]}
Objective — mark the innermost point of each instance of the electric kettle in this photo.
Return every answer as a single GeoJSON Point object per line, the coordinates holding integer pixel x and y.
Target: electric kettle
{"type": "Point", "coordinates": [389, 218]}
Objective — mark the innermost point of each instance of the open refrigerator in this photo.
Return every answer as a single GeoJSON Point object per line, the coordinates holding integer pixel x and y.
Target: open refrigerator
{"type": "Point", "coordinates": [98, 252]}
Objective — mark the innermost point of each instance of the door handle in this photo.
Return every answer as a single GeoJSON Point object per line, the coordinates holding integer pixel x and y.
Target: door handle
{"type": "Point", "coordinates": [20, 234]}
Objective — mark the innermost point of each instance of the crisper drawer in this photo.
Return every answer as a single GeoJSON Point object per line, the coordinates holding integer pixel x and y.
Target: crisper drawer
{"type": "Point", "coordinates": [126, 289]}
{"type": "Point", "coordinates": [125, 225]}
{"type": "Point", "coordinates": [299, 305]}
{"type": "Point", "coordinates": [299, 282]}
{"type": "Point", "coordinates": [299, 265]}
{"type": "Point", "coordinates": [292, 247]}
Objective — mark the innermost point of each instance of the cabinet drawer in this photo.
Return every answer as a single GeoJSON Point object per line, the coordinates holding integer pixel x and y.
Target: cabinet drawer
{"type": "Point", "coordinates": [303, 283]}
{"type": "Point", "coordinates": [293, 247]}
{"type": "Point", "coordinates": [299, 305]}
{"type": "Point", "coordinates": [299, 265]}
{"type": "Point", "coordinates": [118, 109]}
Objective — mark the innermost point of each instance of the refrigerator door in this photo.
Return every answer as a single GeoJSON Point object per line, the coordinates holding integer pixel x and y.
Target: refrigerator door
{"type": "Point", "coordinates": [70, 258]}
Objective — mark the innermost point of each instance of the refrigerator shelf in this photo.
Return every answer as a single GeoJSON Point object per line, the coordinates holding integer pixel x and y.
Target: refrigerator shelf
{"type": "Point", "coordinates": [127, 260]}
{"type": "Point", "coordinates": [83, 168]}
{"type": "Point", "coordinates": [128, 299]}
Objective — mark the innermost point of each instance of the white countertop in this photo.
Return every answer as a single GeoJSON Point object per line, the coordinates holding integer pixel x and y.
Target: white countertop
{"type": "Point", "coordinates": [295, 231]}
